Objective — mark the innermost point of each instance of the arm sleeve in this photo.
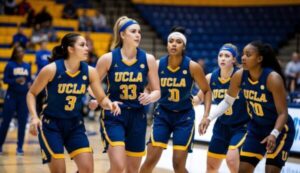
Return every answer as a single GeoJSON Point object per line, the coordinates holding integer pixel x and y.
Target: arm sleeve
{"type": "Point", "coordinates": [222, 107]}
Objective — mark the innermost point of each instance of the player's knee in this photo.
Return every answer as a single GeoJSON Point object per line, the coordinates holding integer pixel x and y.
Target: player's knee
{"type": "Point", "coordinates": [177, 163]}
{"type": "Point", "coordinates": [211, 166]}
{"type": "Point", "coordinates": [232, 162]}
{"type": "Point", "coordinates": [118, 167]}
{"type": "Point", "coordinates": [86, 168]}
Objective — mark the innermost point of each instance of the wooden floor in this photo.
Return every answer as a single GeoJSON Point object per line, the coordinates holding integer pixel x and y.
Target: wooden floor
{"type": "Point", "coordinates": [31, 161]}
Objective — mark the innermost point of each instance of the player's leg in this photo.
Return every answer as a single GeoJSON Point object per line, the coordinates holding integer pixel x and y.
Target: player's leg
{"type": "Point", "coordinates": [78, 146]}
{"type": "Point", "coordinates": [236, 141]}
{"type": "Point", "coordinates": [153, 156]}
{"type": "Point", "coordinates": [113, 136]}
{"type": "Point", "coordinates": [9, 108]}
{"type": "Point", "coordinates": [276, 160]}
{"type": "Point", "coordinates": [218, 147]}
{"type": "Point", "coordinates": [52, 148]}
{"type": "Point", "coordinates": [22, 115]}
{"type": "Point", "coordinates": [135, 139]}
{"type": "Point", "coordinates": [251, 153]}
{"type": "Point", "coordinates": [158, 140]}
{"type": "Point", "coordinates": [183, 138]}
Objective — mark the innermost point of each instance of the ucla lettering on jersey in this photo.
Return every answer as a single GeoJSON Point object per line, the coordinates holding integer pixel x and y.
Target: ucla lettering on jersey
{"type": "Point", "coordinates": [175, 85]}
{"type": "Point", "coordinates": [127, 80]}
{"type": "Point", "coordinates": [260, 102]}
{"type": "Point", "coordinates": [65, 91]}
{"type": "Point", "coordinates": [14, 70]}
{"type": "Point", "coordinates": [235, 115]}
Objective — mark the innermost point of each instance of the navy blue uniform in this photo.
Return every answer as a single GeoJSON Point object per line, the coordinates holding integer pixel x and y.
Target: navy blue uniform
{"type": "Point", "coordinates": [230, 129]}
{"type": "Point", "coordinates": [62, 118]}
{"type": "Point", "coordinates": [175, 113]}
{"type": "Point", "coordinates": [15, 99]}
{"type": "Point", "coordinates": [264, 115]}
{"type": "Point", "coordinates": [125, 83]}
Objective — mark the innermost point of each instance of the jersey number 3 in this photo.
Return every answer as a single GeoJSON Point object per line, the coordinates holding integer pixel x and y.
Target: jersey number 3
{"type": "Point", "coordinates": [71, 103]}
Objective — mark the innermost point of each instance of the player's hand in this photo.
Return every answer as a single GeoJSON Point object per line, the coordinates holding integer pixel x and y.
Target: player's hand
{"type": "Point", "coordinates": [203, 125]}
{"type": "Point", "coordinates": [21, 80]}
{"type": "Point", "coordinates": [197, 100]}
{"type": "Point", "coordinates": [35, 123]}
{"type": "Point", "coordinates": [93, 104]}
{"type": "Point", "coordinates": [145, 98]}
{"type": "Point", "coordinates": [114, 107]}
{"type": "Point", "coordinates": [270, 143]}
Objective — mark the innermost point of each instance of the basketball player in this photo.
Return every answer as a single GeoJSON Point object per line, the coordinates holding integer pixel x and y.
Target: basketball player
{"type": "Point", "coordinates": [175, 113]}
{"type": "Point", "coordinates": [230, 129]}
{"type": "Point", "coordinates": [271, 130]}
{"type": "Point", "coordinates": [66, 80]}
{"type": "Point", "coordinates": [128, 69]}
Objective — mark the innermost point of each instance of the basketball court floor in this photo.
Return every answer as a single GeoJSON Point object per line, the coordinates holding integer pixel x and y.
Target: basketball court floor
{"type": "Point", "coordinates": [31, 161]}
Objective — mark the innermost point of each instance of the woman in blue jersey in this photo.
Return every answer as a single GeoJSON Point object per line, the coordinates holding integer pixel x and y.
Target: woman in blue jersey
{"type": "Point", "coordinates": [229, 131]}
{"type": "Point", "coordinates": [128, 69]}
{"type": "Point", "coordinates": [271, 130]}
{"type": "Point", "coordinates": [66, 80]}
{"type": "Point", "coordinates": [17, 75]}
{"type": "Point", "coordinates": [175, 113]}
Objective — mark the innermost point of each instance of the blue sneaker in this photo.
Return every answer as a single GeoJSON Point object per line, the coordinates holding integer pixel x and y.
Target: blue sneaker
{"type": "Point", "coordinates": [20, 152]}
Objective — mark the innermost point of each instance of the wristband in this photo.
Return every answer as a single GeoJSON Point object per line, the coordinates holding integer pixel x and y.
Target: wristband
{"type": "Point", "coordinates": [275, 133]}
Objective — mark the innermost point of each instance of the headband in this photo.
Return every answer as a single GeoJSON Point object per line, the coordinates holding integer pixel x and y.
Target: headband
{"type": "Point", "coordinates": [176, 35]}
{"type": "Point", "coordinates": [230, 49]}
{"type": "Point", "coordinates": [128, 23]}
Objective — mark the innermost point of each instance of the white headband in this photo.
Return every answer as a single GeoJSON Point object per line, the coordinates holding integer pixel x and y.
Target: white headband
{"type": "Point", "coordinates": [176, 35]}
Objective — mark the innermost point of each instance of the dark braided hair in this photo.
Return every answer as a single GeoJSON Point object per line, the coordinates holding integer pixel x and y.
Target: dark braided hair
{"type": "Point", "coordinates": [269, 57]}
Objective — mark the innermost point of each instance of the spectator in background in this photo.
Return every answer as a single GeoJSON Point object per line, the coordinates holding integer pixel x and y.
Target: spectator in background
{"type": "Point", "coordinates": [85, 22]}
{"type": "Point", "coordinates": [292, 72]}
{"type": "Point", "coordinates": [92, 60]}
{"type": "Point", "coordinates": [10, 7]}
{"type": "Point", "coordinates": [20, 39]}
{"type": "Point", "coordinates": [23, 7]}
{"type": "Point", "coordinates": [1, 6]}
{"type": "Point", "coordinates": [38, 35]}
{"type": "Point", "coordinates": [42, 56]}
{"type": "Point", "coordinates": [17, 75]}
{"type": "Point", "coordinates": [69, 11]}
{"type": "Point", "coordinates": [99, 21]}
{"type": "Point", "coordinates": [43, 18]}
{"type": "Point", "coordinates": [30, 19]}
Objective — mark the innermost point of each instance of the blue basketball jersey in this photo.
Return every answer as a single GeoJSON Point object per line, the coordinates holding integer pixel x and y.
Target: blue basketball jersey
{"type": "Point", "coordinates": [237, 114]}
{"type": "Point", "coordinates": [260, 103]}
{"type": "Point", "coordinates": [65, 92]}
{"type": "Point", "coordinates": [176, 85]}
{"type": "Point", "coordinates": [126, 81]}
{"type": "Point", "coordinates": [14, 70]}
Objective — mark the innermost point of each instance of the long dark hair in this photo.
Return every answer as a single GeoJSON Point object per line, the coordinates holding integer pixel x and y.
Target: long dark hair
{"type": "Point", "coordinates": [14, 55]}
{"type": "Point", "coordinates": [61, 51]}
{"type": "Point", "coordinates": [269, 57]}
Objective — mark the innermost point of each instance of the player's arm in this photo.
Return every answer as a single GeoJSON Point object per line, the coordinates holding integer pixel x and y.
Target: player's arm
{"type": "Point", "coordinates": [99, 93]}
{"type": "Point", "coordinates": [102, 67]}
{"type": "Point", "coordinates": [147, 98]}
{"type": "Point", "coordinates": [199, 98]}
{"type": "Point", "coordinates": [199, 77]}
{"type": "Point", "coordinates": [40, 82]}
{"type": "Point", "coordinates": [275, 85]}
{"type": "Point", "coordinates": [230, 96]}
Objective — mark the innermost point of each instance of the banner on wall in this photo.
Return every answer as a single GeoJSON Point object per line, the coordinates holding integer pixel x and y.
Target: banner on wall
{"type": "Point", "coordinates": [294, 112]}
